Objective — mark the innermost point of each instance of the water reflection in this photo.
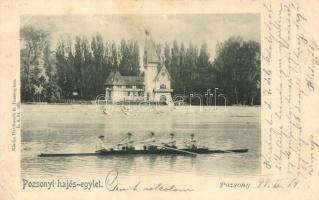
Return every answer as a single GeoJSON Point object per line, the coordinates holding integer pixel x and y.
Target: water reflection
{"type": "Point", "coordinates": [74, 129]}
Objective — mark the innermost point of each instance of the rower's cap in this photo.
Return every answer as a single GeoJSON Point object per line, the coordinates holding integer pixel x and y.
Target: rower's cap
{"type": "Point", "coordinates": [101, 136]}
{"type": "Point", "coordinates": [171, 134]}
{"type": "Point", "coordinates": [192, 134]}
{"type": "Point", "coordinates": [129, 133]}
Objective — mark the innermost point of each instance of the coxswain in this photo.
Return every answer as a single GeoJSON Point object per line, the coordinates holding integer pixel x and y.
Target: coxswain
{"type": "Point", "coordinates": [127, 143]}
{"type": "Point", "coordinates": [100, 146]}
{"type": "Point", "coordinates": [150, 143]}
{"type": "Point", "coordinates": [191, 142]}
{"type": "Point", "coordinates": [171, 142]}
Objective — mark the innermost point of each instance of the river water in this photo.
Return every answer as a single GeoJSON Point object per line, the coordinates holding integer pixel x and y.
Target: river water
{"type": "Point", "coordinates": [75, 128]}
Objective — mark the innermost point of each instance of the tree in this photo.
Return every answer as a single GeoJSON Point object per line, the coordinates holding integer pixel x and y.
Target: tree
{"type": "Point", "coordinates": [203, 62]}
{"type": "Point", "coordinates": [52, 90]}
{"type": "Point", "coordinates": [71, 87]}
{"type": "Point", "coordinates": [167, 57]}
{"type": "Point", "coordinates": [62, 79]}
{"type": "Point", "coordinates": [107, 61]}
{"type": "Point", "coordinates": [78, 66]}
{"type": "Point", "coordinates": [174, 67]}
{"type": "Point", "coordinates": [237, 65]}
{"type": "Point", "coordinates": [124, 58]}
{"type": "Point", "coordinates": [98, 51]}
{"type": "Point", "coordinates": [190, 67]}
{"type": "Point", "coordinates": [33, 74]}
{"type": "Point", "coordinates": [251, 70]}
{"type": "Point", "coordinates": [114, 57]}
{"type": "Point", "coordinates": [134, 59]}
{"type": "Point", "coordinates": [86, 73]}
{"type": "Point", "coordinates": [181, 68]}
{"type": "Point", "coordinates": [129, 58]}
{"type": "Point", "coordinates": [83, 67]}
{"type": "Point", "coordinates": [204, 77]}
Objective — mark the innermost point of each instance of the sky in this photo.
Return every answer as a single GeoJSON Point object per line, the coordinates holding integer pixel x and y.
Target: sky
{"type": "Point", "coordinates": [195, 28]}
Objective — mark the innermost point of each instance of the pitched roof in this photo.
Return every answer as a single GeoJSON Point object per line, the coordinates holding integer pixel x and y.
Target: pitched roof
{"type": "Point", "coordinates": [150, 51]}
{"type": "Point", "coordinates": [163, 69]}
{"type": "Point", "coordinates": [115, 78]}
{"type": "Point", "coordinates": [133, 80]}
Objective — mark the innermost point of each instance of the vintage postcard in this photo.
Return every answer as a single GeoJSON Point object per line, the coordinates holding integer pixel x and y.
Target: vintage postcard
{"type": "Point", "coordinates": [159, 99]}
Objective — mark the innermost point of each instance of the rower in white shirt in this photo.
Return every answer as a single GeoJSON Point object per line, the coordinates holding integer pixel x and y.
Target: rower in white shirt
{"type": "Point", "coordinates": [171, 142]}
{"type": "Point", "coordinates": [127, 143]}
{"type": "Point", "coordinates": [191, 142]}
{"type": "Point", "coordinates": [150, 143]}
{"type": "Point", "coordinates": [100, 145]}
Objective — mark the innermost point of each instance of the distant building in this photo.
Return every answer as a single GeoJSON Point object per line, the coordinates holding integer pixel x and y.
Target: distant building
{"type": "Point", "coordinates": [155, 86]}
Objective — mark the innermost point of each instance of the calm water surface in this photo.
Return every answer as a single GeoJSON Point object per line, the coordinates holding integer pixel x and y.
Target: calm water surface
{"type": "Point", "coordinates": [74, 129]}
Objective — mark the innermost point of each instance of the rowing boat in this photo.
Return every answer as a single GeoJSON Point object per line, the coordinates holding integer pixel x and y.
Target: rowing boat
{"type": "Point", "coordinates": [146, 152]}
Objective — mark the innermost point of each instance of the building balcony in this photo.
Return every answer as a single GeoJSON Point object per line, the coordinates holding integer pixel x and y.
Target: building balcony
{"type": "Point", "coordinates": [158, 90]}
{"type": "Point", "coordinates": [133, 89]}
{"type": "Point", "coordinates": [128, 89]}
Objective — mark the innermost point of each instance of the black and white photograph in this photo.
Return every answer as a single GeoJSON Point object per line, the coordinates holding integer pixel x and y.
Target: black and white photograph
{"type": "Point", "coordinates": [157, 94]}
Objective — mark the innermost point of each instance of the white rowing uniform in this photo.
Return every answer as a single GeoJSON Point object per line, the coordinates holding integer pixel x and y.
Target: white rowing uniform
{"type": "Point", "coordinates": [191, 143]}
{"type": "Point", "coordinates": [127, 142]}
{"type": "Point", "coordinates": [100, 145]}
{"type": "Point", "coordinates": [171, 142]}
{"type": "Point", "coordinates": [150, 141]}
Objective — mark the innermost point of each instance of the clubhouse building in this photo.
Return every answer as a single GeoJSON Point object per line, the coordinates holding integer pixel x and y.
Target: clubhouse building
{"type": "Point", "coordinates": [154, 86]}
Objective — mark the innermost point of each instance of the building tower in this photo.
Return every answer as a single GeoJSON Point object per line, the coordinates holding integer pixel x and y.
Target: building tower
{"type": "Point", "coordinates": [151, 62]}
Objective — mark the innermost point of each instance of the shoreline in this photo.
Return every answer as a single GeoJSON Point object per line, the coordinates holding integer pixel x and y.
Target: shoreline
{"type": "Point", "coordinates": [131, 104]}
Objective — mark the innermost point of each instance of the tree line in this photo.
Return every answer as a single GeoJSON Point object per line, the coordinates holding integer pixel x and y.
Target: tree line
{"type": "Point", "coordinates": [78, 68]}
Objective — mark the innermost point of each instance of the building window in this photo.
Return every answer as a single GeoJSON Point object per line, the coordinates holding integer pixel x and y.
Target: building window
{"type": "Point", "coordinates": [129, 86]}
{"type": "Point", "coordinates": [163, 86]}
{"type": "Point", "coordinates": [163, 99]}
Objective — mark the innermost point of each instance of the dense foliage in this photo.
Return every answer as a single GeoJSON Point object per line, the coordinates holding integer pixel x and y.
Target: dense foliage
{"type": "Point", "coordinates": [78, 69]}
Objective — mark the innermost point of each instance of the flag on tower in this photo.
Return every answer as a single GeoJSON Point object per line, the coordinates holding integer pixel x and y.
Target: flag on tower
{"type": "Point", "coordinates": [146, 32]}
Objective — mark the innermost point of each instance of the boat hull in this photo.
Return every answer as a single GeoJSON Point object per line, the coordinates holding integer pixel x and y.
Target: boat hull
{"type": "Point", "coordinates": [147, 152]}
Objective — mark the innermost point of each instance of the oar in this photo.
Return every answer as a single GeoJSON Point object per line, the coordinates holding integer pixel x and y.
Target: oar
{"type": "Point", "coordinates": [118, 144]}
{"type": "Point", "coordinates": [189, 152]}
{"type": "Point", "coordinates": [203, 146]}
